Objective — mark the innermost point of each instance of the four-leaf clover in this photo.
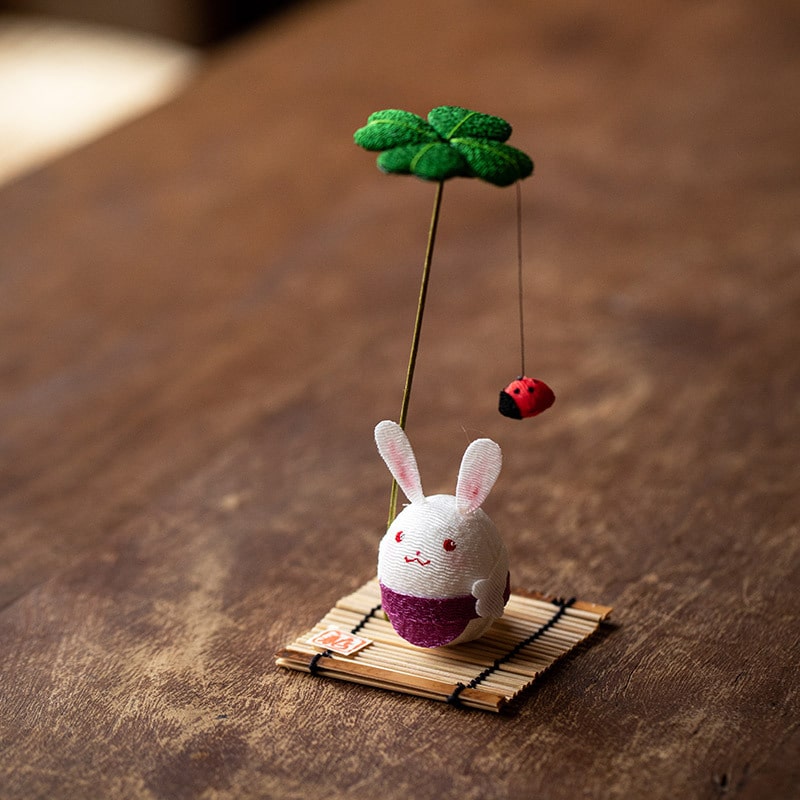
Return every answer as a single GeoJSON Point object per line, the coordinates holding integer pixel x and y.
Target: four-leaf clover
{"type": "Point", "coordinates": [453, 142]}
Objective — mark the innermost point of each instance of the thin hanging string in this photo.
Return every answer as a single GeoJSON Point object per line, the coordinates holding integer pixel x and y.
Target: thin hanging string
{"type": "Point", "coordinates": [519, 279]}
{"type": "Point", "coordinates": [412, 359]}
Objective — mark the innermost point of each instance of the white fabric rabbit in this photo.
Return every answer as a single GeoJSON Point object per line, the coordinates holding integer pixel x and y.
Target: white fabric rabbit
{"type": "Point", "coordinates": [442, 567]}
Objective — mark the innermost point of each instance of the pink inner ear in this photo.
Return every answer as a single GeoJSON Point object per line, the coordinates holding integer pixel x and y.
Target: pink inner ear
{"type": "Point", "coordinates": [468, 496]}
{"type": "Point", "coordinates": [405, 476]}
{"type": "Point", "coordinates": [480, 467]}
{"type": "Point", "coordinates": [400, 464]}
{"type": "Point", "coordinates": [402, 477]}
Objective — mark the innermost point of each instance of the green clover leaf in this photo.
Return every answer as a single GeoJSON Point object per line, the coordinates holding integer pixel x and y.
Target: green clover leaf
{"type": "Point", "coordinates": [453, 142]}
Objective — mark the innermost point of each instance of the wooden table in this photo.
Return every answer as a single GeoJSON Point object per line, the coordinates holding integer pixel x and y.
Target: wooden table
{"type": "Point", "coordinates": [204, 314]}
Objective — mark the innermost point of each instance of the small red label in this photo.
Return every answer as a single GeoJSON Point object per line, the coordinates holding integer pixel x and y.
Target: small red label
{"type": "Point", "coordinates": [339, 641]}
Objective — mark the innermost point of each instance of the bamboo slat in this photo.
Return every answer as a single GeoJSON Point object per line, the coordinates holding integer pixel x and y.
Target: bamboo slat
{"type": "Point", "coordinates": [485, 674]}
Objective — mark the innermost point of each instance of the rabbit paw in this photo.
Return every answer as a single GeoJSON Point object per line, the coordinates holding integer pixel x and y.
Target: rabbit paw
{"type": "Point", "coordinates": [489, 600]}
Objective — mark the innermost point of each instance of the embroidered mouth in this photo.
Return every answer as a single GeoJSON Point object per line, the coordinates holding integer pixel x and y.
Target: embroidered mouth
{"type": "Point", "coordinates": [418, 560]}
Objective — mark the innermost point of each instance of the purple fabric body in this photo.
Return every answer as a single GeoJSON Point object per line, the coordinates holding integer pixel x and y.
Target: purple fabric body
{"type": "Point", "coordinates": [429, 621]}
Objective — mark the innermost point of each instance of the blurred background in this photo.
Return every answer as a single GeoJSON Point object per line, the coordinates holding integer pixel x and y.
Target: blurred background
{"type": "Point", "coordinates": [71, 70]}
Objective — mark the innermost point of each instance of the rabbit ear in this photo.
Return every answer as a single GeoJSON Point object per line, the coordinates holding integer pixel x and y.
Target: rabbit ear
{"type": "Point", "coordinates": [395, 449]}
{"type": "Point", "coordinates": [479, 470]}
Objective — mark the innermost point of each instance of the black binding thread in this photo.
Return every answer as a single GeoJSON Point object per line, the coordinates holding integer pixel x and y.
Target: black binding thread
{"type": "Point", "coordinates": [313, 665]}
{"type": "Point", "coordinates": [563, 605]}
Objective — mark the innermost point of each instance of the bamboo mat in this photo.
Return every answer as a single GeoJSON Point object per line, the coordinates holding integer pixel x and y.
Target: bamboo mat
{"type": "Point", "coordinates": [534, 632]}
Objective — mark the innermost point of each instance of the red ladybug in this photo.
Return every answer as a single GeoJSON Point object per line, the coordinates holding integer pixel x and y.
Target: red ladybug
{"type": "Point", "coordinates": [525, 397]}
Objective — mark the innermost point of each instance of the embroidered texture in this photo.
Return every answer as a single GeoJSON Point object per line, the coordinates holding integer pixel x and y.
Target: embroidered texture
{"type": "Point", "coordinates": [453, 142]}
{"type": "Point", "coordinates": [525, 397]}
{"type": "Point", "coordinates": [442, 566]}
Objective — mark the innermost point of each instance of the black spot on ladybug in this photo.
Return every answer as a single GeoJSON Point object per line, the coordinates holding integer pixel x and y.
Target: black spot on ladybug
{"type": "Point", "coordinates": [538, 397]}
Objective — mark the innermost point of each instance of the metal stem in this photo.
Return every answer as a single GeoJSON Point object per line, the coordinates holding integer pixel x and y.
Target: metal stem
{"type": "Point", "coordinates": [412, 359]}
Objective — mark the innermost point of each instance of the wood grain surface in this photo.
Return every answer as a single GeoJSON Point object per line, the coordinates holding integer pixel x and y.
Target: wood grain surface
{"type": "Point", "coordinates": [203, 315]}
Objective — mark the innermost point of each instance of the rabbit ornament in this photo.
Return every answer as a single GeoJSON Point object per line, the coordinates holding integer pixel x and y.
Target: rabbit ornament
{"type": "Point", "coordinates": [442, 567]}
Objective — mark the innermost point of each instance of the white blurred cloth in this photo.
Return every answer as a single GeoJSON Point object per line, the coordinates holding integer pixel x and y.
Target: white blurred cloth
{"type": "Point", "coordinates": [62, 84]}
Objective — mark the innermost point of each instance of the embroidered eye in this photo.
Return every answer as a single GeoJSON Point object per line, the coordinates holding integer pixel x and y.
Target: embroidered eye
{"type": "Point", "coordinates": [398, 537]}
{"type": "Point", "coordinates": [449, 545]}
